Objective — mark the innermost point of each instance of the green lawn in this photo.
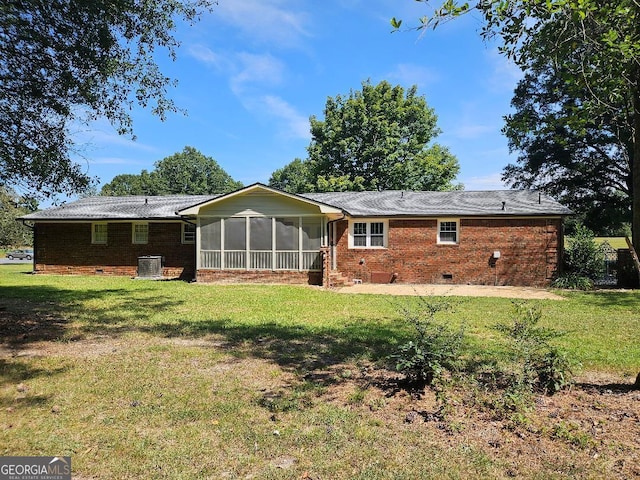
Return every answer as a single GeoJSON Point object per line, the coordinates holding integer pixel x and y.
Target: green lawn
{"type": "Point", "coordinates": [144, 379]}
{"type": "Point", "coordinates": [615, 242]}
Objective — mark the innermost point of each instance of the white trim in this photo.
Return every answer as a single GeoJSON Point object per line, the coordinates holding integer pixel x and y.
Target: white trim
{"type": "Point", "coordinates": [439, 241]}
{"type": "Point", "coordinates": [182, 232]}
{"type": "Point", "coordinates": [368, 222]}
{"type": "Point", "coordinates": [133, 233]}
{"type": "Point", "coordinates": [323, 208]}
{"type": "Point", "coordinates": [93, 233]}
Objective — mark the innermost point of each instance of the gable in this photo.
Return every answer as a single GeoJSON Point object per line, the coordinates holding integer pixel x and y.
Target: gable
{"type": "Point", "coordinates": [260, 200]}
{"type": "Point", "coordinates": [259, 203]}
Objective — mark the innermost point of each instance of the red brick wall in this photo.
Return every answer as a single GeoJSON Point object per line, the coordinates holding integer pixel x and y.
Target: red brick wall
{"type": "Point", "coordinates": [260, 276]}
{"type": "Point", "coordinates": [529, 250]}
{"type": "Point", "coordinates": [66, 248]}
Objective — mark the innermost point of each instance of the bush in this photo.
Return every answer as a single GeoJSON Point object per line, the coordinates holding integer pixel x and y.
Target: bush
{"type": "Point", "coordinates": [538, 365]}
{"type": "Point", "coordinates": [436, 347]}
{"type": "Point", "coordinates": [583, 258]}
{"type": "Point", "coordinates": [573, 281]}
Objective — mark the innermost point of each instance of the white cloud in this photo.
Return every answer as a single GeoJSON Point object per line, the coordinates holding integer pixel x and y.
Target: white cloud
{"type": "Point", "coordinates": [294, 124]}
{"type": "Point", "coordinates": [408, 74]}
{"type": "Point", "coordinates": [112, 161]}
{"type": "Point", "coordinates": [241, 68]}
{"type": "Point", "coordinates": [472, 130]}
{"type": "Point", "coordinates": [487, 182]}
{"type": "Point", "coordinates": [99, 134]}
{"type": "Point", "coordinates": [269, 21]}
{"type": "Point", "coordinates": [205, 55]}
{"type": "Point", "coordinates": [255, 69]}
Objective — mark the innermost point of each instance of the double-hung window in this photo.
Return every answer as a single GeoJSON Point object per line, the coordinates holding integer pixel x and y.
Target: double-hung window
{"type": "Point", "coordinates": [188, 233]}
{"type": "Point", "coordinates": [99, 233]}
{"type": "Point", "coordinates": [448, 231]}
{"type": "Point", "coordinates": [368, 234]}
{"type": "Point", "coordinates": [140, 233]}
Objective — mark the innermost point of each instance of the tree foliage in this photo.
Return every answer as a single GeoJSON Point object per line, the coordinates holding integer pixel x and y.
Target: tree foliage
{"type": "Point", "coordinates": [595, 46]}
{"type": "Point", "coordinates": [63, 63]}
{"type": "Point", "coordinates": [188, 172]}
{"type": "Point", "coordinates": [378, 138]}
{"type": "Point", "coordinates": [293, 177]}
{"type": "Point", "coordinates": [12, 206]}
{"type": "Point", "coordinates": [582, 160]}
{"type": "Point", "coordinates": [583, 257]}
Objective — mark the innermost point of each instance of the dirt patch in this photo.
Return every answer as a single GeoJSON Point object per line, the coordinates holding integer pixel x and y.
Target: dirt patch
{"type": "Point", "coordinates": [589, 431]}
{"type": "Point", "coordinates": [451, 290]}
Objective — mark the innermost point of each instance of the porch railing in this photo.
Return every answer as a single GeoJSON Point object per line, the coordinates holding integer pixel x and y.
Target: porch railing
{"type": "Point", "coordinates": [307, 260]}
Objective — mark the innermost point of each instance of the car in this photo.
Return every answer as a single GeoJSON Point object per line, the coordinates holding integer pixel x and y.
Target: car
{"type": "Point", "coordinates": [25, 253]}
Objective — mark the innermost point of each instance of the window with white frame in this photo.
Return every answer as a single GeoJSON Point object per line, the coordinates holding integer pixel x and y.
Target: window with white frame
{"type": "Point", "coordinates": [140, 233]}
{"type": "Point", "coordinates": [448, 231]}
{"type": "Point", "coordinates": [188, 233]}
{"type": "Point", "coordinates": [368, 234]}
{"type": "Point", "coordinates": [99, 233]}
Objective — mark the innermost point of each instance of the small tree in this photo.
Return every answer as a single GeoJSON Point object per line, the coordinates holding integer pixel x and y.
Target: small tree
{"type": "Point", "coordinates": [539, 365]}
{"type": "Point", "coordinates": [583, 257]}
{"type": "Point", "coordinates": [435, 347]}
{"type": "Point", "coordinates": [12, 206]}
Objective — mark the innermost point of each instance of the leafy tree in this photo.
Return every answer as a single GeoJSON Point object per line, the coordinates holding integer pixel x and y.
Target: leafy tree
{"type": "Point", "coordinates": [596, 45]}
{"type": "Point", "coordinates": [131, 184]}
{"type": "Point", "coordinates": [378, 138]}
{"type": "Point", "coordinates": [293, 177]}
{"type": "Point", "coordinates": [67, 62]}
{"type": "Point", "coordinates": [12, 232]}
{"type": "Point", "coordinates": [581, 159]}
{"type": "Point", "coordinates": [186, 172]}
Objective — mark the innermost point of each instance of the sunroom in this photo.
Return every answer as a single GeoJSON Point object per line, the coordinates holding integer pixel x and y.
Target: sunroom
{"type": "Point", "coordinates": [260, 229]}
{"type": "Point", "coordinates": [261, 243]}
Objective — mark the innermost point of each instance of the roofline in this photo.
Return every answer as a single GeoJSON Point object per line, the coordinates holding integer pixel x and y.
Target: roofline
{"type": "Point", "coordinates": [105, 219]}
{"type": "Point", "coordinates": [465, 215]}
{"type": "Point", "coordinates": [195, 209]}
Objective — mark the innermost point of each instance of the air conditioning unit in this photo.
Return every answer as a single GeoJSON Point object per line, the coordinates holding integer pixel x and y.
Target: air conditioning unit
{"type": "Point", "coordinates": [150, 266]}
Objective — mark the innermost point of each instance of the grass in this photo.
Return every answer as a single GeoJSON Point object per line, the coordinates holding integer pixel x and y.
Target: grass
{"type": "Point", "coordinates": [141, 379]}
{"type": "Point", "coordinates": [615, 242]}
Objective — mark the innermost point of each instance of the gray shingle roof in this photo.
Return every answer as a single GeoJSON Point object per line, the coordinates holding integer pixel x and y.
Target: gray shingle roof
{"type": "Point", "coordinates": [121, 208]}
{"type": "Point", "coordinates": [455, 203]}
{"type": "Point", "coordinates": [357, 204]}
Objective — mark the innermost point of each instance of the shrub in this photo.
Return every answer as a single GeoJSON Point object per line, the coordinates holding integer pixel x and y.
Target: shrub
{"type": "Point", "coordinates": [573, 281]}
{"type": "Point", "coordinates": [434, 349]}
{"type": "Point", "coordinates": [538, 365]}
{"type": "Point", "coordinates": [583, 257]}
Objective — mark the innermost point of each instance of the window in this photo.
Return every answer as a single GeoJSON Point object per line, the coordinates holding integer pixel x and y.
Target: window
{"type": "Point", "coordinates": [140, 233]}
{"type": "Point", "coordinates": [368, 234]}
{"type": "Point", "coordinates": [188, 233]}
{"type": "Point", "coordinates": [99, 233]}
{"type": "Point", "coordinates": [448, 231]}
{"type": "Point", "coordinates": [360, 234]}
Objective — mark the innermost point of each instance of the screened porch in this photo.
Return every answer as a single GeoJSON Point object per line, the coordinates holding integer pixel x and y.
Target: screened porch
{"type": "Point", "coordinates": [261, 243]}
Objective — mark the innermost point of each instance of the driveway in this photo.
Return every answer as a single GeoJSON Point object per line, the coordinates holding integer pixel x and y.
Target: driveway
{"type": "Point", "coordinates": [6, 261]}
{"type": "Point", "coordinates": [452, 290]}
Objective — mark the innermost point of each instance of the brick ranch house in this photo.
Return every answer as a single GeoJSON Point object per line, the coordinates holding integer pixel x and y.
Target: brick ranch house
{"type": "Point", "coordinates": [262, 234]}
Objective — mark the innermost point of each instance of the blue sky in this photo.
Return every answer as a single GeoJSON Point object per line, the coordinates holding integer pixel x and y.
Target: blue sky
{"type": "Point", "coordinates": [252, 72]}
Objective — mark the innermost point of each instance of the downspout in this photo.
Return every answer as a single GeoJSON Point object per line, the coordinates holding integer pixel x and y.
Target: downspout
{"type": "Point", "coordinates": [331, 239]}
{"type": "Point", "coordinates": [195, 247]}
